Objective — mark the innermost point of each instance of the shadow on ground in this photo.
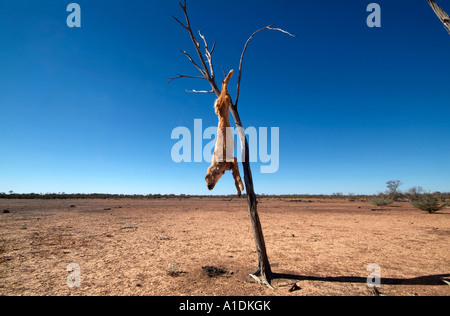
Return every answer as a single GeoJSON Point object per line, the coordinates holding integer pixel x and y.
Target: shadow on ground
{"type": "Point", "coordinates": [422, 280]}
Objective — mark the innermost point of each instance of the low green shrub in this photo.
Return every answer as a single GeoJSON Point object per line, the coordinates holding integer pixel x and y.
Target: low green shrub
{"type": "Point", "coordinates": [428, 202]}
{"type": "Point", "coordinates": [381, 200]}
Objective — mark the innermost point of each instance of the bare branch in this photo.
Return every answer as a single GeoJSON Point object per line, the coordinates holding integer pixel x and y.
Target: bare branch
{"type": "Point", "coordinates": [243, 54]}
{"type": "Point", "coordinates": [194, 63]}
{"type": "Point", "coordinates": [281, 30]}
{"type": "Point", "coordinates": [180, 22]}
{"type": "Point", "coordinates": [445, 19]}
{"type": "Point", "coordinates": [212, 49]}
{"type": "Point", "coordinates": [208, 55]}
{"type": "Point", "coordinates": [195, 91]}
{"type": "Point", "coordinates": [204, 70]}
{"type": "Point", "coordinates": [182, 77]}
{"type": "Point", "coordinates": [224, 74]}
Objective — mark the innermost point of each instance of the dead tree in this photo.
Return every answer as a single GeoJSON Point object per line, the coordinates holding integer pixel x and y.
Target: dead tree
{"type": "Point", "coordinates": [445, 19]}
{"type": "Point", "coordinates": [207, 72]}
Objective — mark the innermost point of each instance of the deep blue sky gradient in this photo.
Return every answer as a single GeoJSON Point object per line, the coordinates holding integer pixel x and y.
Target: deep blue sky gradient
{"type": "Point", "coordinates": [87, 110]}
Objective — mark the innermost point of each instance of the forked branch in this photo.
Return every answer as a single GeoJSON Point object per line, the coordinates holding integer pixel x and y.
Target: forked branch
{"type": "Point", "coordinates": [207, 72]}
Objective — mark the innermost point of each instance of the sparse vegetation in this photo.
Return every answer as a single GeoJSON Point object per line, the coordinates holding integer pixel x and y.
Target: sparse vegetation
{"type": "Point", "coordinates": [381, 200]}
{"type": "Point", "coordinates": [414, 193]}
{"type": "Point", "coordinates": [62, 196]}
{"type": "Point", "coordinates": [428, 202]}
{"type": "Point", "coordinates": [173, 270]}
{"type": "Point", "coordinates": [409, 196]}
{"type": "Point", "coordinates": [393, 191]}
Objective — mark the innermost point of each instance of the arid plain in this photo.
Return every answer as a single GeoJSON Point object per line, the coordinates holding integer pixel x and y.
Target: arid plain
{"type": "Point", "coordinates": [160, 247]}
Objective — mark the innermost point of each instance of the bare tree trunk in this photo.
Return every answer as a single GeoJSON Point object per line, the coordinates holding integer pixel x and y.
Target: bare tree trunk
{"type": "Point", "coordinates": [263, 268]}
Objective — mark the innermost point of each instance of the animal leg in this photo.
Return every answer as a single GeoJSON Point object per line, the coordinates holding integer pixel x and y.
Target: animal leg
{"type": "Point", "coordinates": [237, 177]}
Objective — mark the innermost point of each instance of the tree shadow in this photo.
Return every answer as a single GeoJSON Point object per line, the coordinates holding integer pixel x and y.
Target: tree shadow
{"type": "Point", "coordinates": [422, 280]}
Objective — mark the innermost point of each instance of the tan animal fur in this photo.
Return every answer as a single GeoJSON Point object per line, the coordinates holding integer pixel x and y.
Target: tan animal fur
{"type": "Point", "coordinates": [220, 163]}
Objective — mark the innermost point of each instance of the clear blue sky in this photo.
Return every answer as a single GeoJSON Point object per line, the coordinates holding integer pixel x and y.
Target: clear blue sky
{"type": "Point", "coordinates": [87, 110]}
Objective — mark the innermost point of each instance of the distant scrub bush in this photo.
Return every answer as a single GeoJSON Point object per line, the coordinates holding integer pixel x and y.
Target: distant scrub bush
{"type": "Point", "coordinates": [381, 200]}
{"type": "Point", "coordinates": [428, 202]}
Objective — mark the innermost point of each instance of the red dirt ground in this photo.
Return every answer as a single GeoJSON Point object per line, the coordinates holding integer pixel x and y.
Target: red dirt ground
{"type": "Point", "coordinates": [129, 247]}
